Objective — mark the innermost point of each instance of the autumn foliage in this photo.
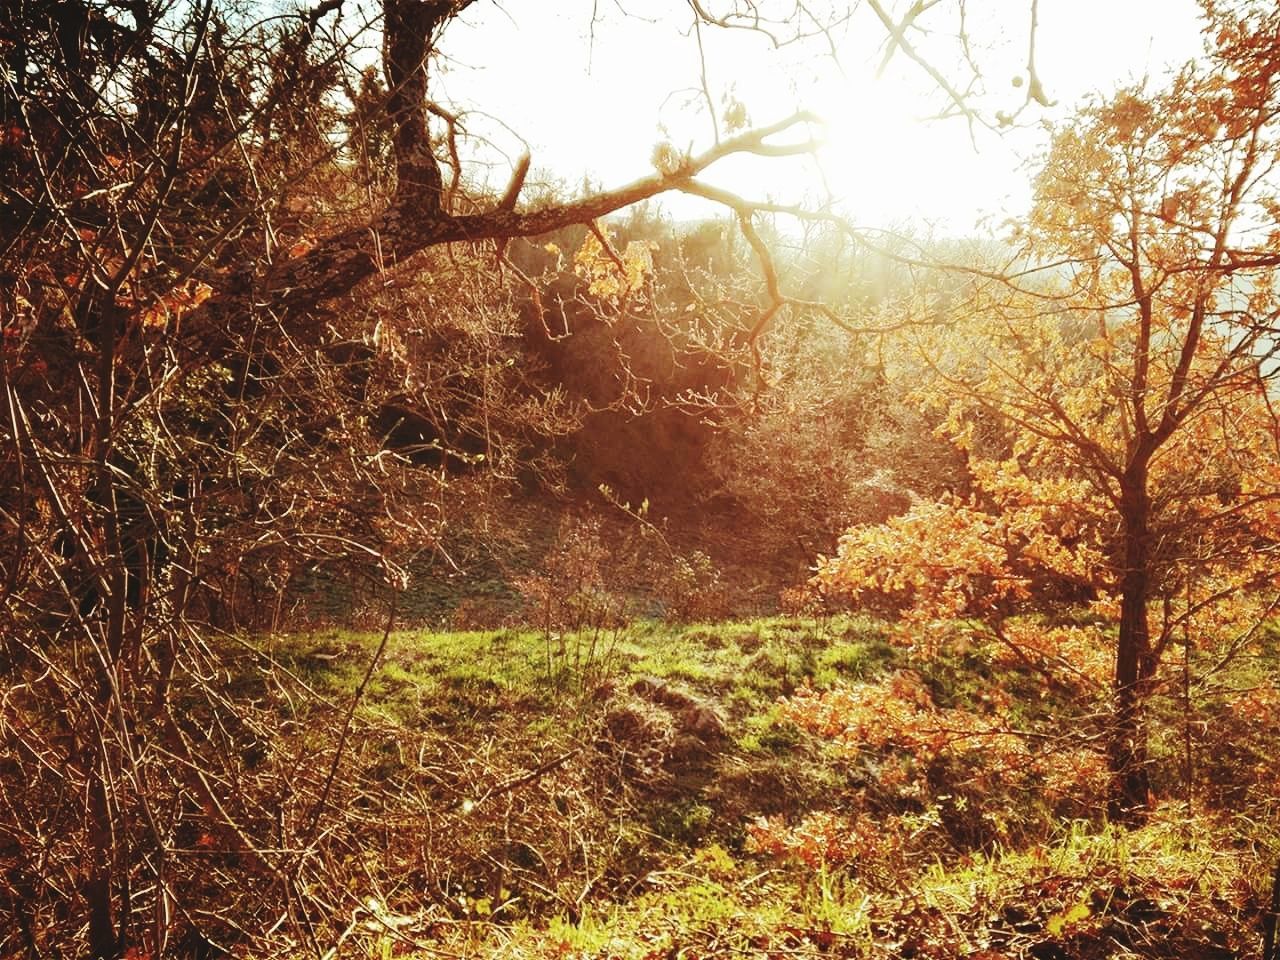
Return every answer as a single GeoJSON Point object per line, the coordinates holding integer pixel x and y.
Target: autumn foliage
{"type": "Point", "coordinates": [266, 324]}
{"type": "Point", "coordinates": [1113, 396]}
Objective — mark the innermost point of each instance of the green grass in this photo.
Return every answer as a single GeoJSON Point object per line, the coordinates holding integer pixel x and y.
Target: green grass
{"type": "Point", "coordinates": [753, 663]}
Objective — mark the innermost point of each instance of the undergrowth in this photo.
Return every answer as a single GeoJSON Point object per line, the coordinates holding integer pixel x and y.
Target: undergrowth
{"type": "Point", "coordinates": [649, 791]}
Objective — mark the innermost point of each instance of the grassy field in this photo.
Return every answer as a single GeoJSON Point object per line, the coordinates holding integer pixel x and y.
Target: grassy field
{"type": "Point", "coordinates": [654, 791]}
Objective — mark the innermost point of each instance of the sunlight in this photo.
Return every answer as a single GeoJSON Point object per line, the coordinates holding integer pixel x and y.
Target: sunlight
{"type": "Point", "coordinates": [886, 158]}
{"type": "Point", "coordinates": [883, 161]}
{"type": "Point", "coordinates": [639, 479]}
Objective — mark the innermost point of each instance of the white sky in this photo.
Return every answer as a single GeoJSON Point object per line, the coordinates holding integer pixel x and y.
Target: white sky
{"type": "Point", "coordinates": [597, 110]}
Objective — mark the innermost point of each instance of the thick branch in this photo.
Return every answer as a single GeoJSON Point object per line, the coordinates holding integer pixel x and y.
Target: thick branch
{"type": "Point", "coordinates": [416, 221]}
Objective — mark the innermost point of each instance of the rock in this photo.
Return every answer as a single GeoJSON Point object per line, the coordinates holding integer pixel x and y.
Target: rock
{"type": "Point", "coordinates": [703, 722]}
{"type": "Point", "coordinates": [692, 715]}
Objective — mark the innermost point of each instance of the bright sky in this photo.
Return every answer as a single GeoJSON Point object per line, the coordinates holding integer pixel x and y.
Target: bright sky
{"type": "Point", "coordinates": [597, 109]}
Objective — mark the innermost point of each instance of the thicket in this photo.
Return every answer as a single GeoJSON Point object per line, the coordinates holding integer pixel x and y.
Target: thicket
{"type": "Point", "coordinates": [261, 331]}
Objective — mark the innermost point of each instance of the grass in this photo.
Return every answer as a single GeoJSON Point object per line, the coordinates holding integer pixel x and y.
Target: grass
{"type": "Point", "coordinates": [778, 653]}
{"type": "Point", "coordinates": [1090, 893]}
{"type": "Point", "coordinates": [640, 845]}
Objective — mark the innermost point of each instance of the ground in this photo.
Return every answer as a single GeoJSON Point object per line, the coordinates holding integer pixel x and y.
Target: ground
{"type": "Point", "coordinates": [653, 791]}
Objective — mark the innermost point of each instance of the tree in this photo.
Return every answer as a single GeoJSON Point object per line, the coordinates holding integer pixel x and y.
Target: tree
{"type": "Point", "coordinates": [1114, 394]}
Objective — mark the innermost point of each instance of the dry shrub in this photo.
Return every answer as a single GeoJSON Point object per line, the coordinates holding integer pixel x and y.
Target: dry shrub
{"type": "Point", "coordinates": [640, 735]}
{"type": "Point", "coordinates": [575, 588]}
{"type": "Point", "coordinates": [987, 776]}
{"type": "Point", "coordinates": [693, 589]}
{"type": "Point", "coordinates": [478, 613]}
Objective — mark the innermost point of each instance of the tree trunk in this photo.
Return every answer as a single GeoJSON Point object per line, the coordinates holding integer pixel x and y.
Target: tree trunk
{"type": "Point", "coordinates": [1127, 750]}
{"type": "Point", "coordinates": [103, 944]}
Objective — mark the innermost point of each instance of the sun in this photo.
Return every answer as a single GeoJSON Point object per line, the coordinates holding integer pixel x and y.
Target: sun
{"type": "Point", "coordinates": [584, 116]}
{"type": "Point", "coordinates": [888, 158]}
{"type": "Point", "coordinates": [885, 156]}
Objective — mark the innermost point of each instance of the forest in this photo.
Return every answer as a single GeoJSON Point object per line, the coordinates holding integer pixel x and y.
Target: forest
{"type": "Point", "coordinates": [412, 547]}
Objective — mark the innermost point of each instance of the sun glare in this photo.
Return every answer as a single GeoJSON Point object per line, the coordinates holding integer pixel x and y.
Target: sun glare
{"type": "Point", "coordinates": [883, 161]}
{"type": "Point", "coordinates": [885, 158]}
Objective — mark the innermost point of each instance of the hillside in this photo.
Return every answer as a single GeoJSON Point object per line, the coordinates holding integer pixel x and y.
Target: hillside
{"type": "Point", "coordinates": [651, 791]}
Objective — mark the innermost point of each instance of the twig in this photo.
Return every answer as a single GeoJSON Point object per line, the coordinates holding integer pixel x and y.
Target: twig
{"type": "Point", "coordinates": [346, 725]}
{"type": "Point", "coordinates": [514, 783]}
